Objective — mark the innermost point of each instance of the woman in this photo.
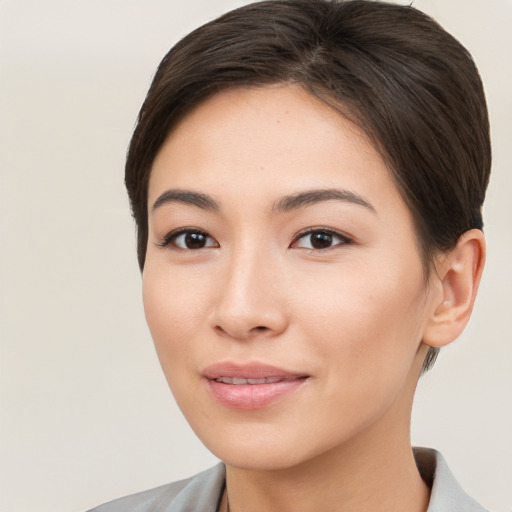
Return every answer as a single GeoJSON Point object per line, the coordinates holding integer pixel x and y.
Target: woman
{"type": "Point", "coordinates": [307, 180]}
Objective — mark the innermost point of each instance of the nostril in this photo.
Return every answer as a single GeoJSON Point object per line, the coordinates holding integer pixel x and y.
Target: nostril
{"type": "Point", "coordinates": [241, 334]}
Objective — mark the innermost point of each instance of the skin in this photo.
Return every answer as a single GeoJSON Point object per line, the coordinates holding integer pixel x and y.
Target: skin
{"type": "Point", "coordinates": [352, 316]}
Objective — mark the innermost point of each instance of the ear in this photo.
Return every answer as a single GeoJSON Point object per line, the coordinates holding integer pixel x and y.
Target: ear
{"type": "Point", "coordinates": [457, 279]}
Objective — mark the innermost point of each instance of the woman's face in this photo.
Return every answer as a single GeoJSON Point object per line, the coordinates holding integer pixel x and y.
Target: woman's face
{"type": "Point", "coordinates": [283, 284]}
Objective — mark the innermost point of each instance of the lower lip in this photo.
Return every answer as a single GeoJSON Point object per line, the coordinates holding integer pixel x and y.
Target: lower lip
{"type": "Point", "coordinates": [252, 396]}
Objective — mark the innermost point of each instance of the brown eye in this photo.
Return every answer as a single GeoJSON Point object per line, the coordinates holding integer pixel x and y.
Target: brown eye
{"type": "Point", "coordinates": [318, 239]}
{"type": "Point", "coordinates": [189, 239]}
{"type": "Point", "coordinates": [321, 240]}
{"type": "Point", "coordinates": [194, 240]}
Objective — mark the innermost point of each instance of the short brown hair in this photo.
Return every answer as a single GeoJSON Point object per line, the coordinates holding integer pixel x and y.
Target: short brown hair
{"type": "Point", "coordinates": [411, 86]}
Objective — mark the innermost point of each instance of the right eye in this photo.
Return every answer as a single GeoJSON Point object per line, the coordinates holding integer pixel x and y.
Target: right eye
{"type": "Point", "coordinates": [188, 239]}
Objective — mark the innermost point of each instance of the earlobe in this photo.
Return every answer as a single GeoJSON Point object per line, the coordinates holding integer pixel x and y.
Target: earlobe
{"type": "Point", "coordinates": [459, 276]}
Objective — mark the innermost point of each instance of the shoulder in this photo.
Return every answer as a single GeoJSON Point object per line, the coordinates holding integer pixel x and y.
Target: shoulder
{"type": "Point", "coordinates": [201, 492]}
{"type": "Point", "coordinates": [446, 493]}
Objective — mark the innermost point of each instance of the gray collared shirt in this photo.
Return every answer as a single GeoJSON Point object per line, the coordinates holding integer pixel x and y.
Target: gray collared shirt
{"type": "Point", "coordinates": [202, 493]}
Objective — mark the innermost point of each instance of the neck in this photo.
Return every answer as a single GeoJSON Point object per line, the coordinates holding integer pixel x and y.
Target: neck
{"type": "Point", "coordinates": [381, 483]}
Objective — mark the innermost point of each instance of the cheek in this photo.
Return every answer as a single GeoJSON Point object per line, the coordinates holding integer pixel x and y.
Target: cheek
{"type": "Point", "coordinates": [172, 314]}
{"type": "Point", "coordinates": [366, 334]}
{"type": "Point", "coordinates": [366, 319]}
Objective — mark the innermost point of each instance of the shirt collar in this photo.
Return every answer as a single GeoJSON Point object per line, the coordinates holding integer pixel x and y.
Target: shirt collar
{"type": "Point", "coordinates": [204, 491]}
{"type": "Point", "coordinates": [446, 493]}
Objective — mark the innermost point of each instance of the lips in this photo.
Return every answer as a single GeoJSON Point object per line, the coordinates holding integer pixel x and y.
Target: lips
{"type": "Point", "coordinates": [251, 386]}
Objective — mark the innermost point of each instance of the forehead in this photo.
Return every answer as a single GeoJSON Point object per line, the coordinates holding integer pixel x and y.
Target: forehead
{"type": "Point", "coordinates": [270, 139]}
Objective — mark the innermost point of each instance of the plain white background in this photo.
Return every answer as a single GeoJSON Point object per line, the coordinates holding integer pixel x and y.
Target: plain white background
{"type": "Point", "coordinates": [86, 415]}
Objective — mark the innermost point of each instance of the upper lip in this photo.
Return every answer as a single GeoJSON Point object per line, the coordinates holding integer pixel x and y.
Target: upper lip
{"type": "Point", "coordinates": [249, 371]}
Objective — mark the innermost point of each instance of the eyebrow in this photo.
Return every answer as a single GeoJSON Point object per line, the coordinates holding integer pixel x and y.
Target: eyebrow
{"type": "Point", "coordinates": [285, 204]}
{"type": "Point", "coordinates": [202, 201]}
{"type": "Point", "coordinates": [311, 197]}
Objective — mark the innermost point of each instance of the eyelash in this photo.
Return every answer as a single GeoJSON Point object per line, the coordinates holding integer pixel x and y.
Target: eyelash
{"type": "Point", "coordinates": [169, 241]}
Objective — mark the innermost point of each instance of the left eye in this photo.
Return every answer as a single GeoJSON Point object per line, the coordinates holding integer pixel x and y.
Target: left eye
{"type": "Point", "coordinates": [319, 239]}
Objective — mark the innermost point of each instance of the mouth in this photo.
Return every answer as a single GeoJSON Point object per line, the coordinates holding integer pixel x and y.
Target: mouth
{"type": "Point", "coordinates": [252, 386]}
{"type": "Point", "coordinates": [241, 381]}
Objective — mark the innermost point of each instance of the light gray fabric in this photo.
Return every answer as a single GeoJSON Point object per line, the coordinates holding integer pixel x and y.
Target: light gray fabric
{"type": "Point", "coordinates": [202, 492]}
{"type": "Point", "coordinates": [446, 493]}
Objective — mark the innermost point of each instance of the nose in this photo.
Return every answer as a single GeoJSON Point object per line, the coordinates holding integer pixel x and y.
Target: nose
{"type": "Point", "coordinates": [250, 302]}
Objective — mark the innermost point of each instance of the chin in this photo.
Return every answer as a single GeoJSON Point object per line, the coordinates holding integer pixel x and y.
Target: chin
{"type": "Point", "coordinates": [258, 458]}
{"type": "Point", "coordinates": [265, 447]}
